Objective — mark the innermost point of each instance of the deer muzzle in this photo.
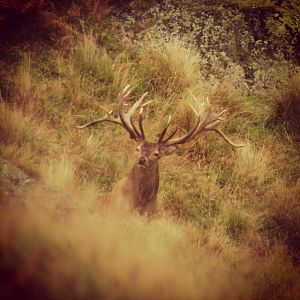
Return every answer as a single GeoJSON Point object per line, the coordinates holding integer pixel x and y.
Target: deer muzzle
{"type": "Point", "coordinates": [143, 161]}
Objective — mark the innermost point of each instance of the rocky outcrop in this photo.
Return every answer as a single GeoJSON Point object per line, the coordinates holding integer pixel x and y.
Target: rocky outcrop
{"type": "Point", "coordinates": [17, 189]}
{"type": "Point", "coordinates": [13, 181]}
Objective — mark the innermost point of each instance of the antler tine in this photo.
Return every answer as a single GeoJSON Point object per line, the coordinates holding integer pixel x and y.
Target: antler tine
{"type": "Point", "coordinates": [208, 118]}
{"type": "Point", "coordinates": [125, 93]}
{"type": "Point", "coordinates": [185, 138]}
{"type": "Point", "coordinates": [162, 134]}
{"type": "Point", "coordinates": [141, 123]}
{"type": "Point", "coordinates": [170, 135]}
{"type": "Point", "coordinates": [108, 117]}
{"type": "Point", "coordinates": [182, 139]}
{"type": "Point", "coordinates": [132, 110]}
{"type": "Point", "coordinates": [141, 118]}
{"type": "Point", "coordinates": [215, 127]}
{"type": "Point", "coordinates": [138, 134]}
{"type": "Point", "coordinates": [226, 138]}
{"type": "Point", "coordinates": [138, 104]}
{"type": "Point", "coordinates": [125, 123]}
{"type": "Point", "coordinates": [200, 122]}
{"type": "Point", "coordinates": [125, 119]}
{"type": "Point", "coordinates": [206, 121]}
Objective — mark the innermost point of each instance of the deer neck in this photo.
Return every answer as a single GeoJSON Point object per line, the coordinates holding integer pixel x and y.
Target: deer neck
{"type": "Point", "coordinates": [146, 182]}
{"type": "Point", "coordinates": [146, 176]}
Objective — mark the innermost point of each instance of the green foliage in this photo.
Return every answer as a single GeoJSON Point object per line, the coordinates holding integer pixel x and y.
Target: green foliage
{"type": "Point", "coordinates": [226, 36]}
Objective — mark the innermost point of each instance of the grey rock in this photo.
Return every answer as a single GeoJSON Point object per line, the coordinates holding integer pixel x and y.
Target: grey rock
{"type": "Point", "coordinates": [13, 181]}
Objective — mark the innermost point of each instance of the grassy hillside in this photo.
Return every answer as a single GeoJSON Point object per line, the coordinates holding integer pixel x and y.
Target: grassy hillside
{"type": "Point", "coordinates": [228, 225]}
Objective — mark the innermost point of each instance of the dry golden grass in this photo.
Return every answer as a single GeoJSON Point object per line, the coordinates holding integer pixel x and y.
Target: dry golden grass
{"type": "Point", "coordinates": [174, 66]}
{"type": "Point", "coordinates": [24, 82]}
{"type": "Point", "coordinates": [96, 66]}
{"type": "Point", "coordinates": [286, 108]}
{"type": "Point", "coordinates": [59, 173]}
{"type": "Point", "coordinates": [253, 166]}
{"type": "Point", "coordinates": [23, 129]}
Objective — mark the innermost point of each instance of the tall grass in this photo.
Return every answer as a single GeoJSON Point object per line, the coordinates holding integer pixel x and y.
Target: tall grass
{"type": "Point", "coordinates": [92, 59]}
{"type": "Point", "coordinates": [286, 108]}
{"type": "Point", "coordinates": [21, 128]}
{"type": "Point", "coordinates": [24, 82]}
{"type": "Point", "coordinates": [253, 166]}
{"type": "Point", "coordinates": [95, 63]}
{"type": "Point", "coordinates": [174, 66]}
{"type": "Point", "coordinates": [60, 173]}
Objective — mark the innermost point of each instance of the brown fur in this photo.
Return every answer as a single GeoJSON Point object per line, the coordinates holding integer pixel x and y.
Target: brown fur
{"type": "Point", "coordinates": [138, 189]}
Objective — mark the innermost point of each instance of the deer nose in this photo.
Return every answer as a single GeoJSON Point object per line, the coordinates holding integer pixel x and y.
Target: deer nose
{"type": "Point", "coordinates": [142, 160]}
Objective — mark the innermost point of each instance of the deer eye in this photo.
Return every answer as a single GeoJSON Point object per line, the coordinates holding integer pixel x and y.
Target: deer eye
{"type": "Point", "coordinates": [156, 154]}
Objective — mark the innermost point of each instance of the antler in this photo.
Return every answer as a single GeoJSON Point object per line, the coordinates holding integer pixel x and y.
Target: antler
{"type": "Point", "coordinates": [205, 121]}
{"type": "Point", "coordinates": [125, 119]}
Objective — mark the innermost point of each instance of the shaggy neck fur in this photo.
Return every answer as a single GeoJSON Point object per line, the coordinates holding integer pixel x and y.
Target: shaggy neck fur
{"type": "Point", "coordinates": [146, 182]}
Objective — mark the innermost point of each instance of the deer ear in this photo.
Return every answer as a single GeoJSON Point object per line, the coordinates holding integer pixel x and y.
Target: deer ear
{"type": "Point", "coordinates": [167, 151]}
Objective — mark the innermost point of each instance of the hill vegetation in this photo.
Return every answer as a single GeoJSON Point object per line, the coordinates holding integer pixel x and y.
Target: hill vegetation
{"type": "Point", "coordinates": [228, 225]}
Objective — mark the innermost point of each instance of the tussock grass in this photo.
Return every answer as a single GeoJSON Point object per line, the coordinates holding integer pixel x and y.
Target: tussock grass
{"type": "Point", "coordinates": [174, 66]}
{"type": "Point", "coordinates": [20, 128]}
{"type": "Point", "coordinates": [286, 108]}
{"type": "Point", "coordinates": [199, 197]}
{"type": "Point", "coordinates": [275, 270]}
{"type": "Point", "coordinates": [100, 68]}
{"type": "Point", "coordinates": [237, 220]}
{"type": "Point", "coordinates": [59, 173]}
{"type": "Point", "coordinates": [24, 82]}
{"type": "Point", "coordinates": [283, 212]}
{"type": "Point", "coordinates": [246, 114]}
{"type": "Point", "coordinates": [124, 74]}
{"type": "Point", "coordinates": [252, 166]}
{"type": "Point", "coordinates": [93, 60]}
{"type": "Point", "coordinates": [25, 139]}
